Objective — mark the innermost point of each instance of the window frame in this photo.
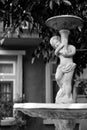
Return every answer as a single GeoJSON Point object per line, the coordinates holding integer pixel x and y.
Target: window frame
{"type": "Point", "coordinates": [8, 62]}
{"type": "Point", "coordinates": [15, 77]}
{"type": "Point", "coordinates": [49, 78]}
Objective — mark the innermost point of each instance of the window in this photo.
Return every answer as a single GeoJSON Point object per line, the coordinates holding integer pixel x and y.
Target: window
{"type": "Point", "coordinates": [7, 68]}
{"type": "Point", "coordinates": [81, 90]}
{"type": "Point", "coordinates": [6, 97]}
{"type": "Point", "coordinates": [82, 87]}
{"type": "Point", "coordinates": [51, 84]}
{"type": "Point", "coordinates": [10, 80]}
{"type": "Point", "coordinates": [7, 80]}
{"type": "Point", "coordinates": [6, 91]}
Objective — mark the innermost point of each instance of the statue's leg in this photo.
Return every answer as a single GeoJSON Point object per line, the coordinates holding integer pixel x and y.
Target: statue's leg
{"type": "Point", "coordinates": [60, 94]}
{"type": "Point", "coordinates": [59, 76]}
{"type": "Point", "coordinates": [67, 85]}
{"type": "Point", "coordinates": [65, 97]}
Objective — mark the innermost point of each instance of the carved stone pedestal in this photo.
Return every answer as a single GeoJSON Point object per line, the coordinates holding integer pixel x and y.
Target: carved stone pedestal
{"type": "Point", "coordinates": [64, 124]}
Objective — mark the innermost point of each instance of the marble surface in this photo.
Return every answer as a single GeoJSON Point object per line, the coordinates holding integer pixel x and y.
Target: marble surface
{"type": "Point", "coordinates": [53, 111]}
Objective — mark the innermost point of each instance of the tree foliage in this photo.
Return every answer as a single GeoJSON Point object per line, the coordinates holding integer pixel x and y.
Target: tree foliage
{"type": "Point", "coordinates": [78, 37]}
{"type": "Point", "coordinates": [37, 12]}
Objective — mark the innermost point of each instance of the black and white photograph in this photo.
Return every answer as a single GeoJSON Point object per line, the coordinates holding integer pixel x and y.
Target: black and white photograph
{"type": "Point", "coordinates": [43, 64]}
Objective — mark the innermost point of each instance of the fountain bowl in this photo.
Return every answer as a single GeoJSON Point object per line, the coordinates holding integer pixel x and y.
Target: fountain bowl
{"type": "Point", "coordinates": [64, 22]}
{"type": "Point", "coordinates": [53, 111]}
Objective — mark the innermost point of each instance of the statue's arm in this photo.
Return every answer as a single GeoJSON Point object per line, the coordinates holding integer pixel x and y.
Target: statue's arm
{"type": "Point", "coordinates": [70, 53]}
{"type": "Point", "coordinates": [58, 49]}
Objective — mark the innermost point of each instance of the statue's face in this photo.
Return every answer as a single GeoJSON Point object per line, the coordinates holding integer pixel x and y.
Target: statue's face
{"type": "Point", "coordinates": [55, 41]}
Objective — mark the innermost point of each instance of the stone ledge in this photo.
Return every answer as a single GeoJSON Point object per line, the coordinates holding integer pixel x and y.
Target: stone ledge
{"type": "Point", "coordinates": [53, 111]}
{"type": "Point", "coordinates": [8, 121]}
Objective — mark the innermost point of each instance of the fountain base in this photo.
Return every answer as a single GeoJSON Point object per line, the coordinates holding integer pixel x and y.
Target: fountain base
{"type": "Point", "coordinates": [53, 111]}
{"type": "Point", "coordinates": [63, 116]}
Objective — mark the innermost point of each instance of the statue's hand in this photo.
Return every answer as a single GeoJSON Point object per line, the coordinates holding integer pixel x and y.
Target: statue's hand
{"type": "Point", "coordinates": [68, 52]}
{"type": "Point", "coordinates": [57, 51]}
{"type": "Point", "coordinates": [63, 51]}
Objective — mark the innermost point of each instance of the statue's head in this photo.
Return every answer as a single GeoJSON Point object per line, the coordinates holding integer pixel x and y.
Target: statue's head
{"type": "Point", "coordinates": [55, 41]}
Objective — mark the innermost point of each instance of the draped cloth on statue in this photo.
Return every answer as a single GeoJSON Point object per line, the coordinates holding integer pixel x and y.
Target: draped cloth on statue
{"type": "Point", "coordinates": [64, 75]}
{"type": "Point", "coordinates": [67, 68]}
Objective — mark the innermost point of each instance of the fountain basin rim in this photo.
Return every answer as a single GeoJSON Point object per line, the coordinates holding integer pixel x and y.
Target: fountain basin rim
{"type": "Point", "coordinates": [50, 106]}
{"type": "Point", "coordinates": [53, 111]}
{"type": "Point", "coordinates": [64, 22]}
